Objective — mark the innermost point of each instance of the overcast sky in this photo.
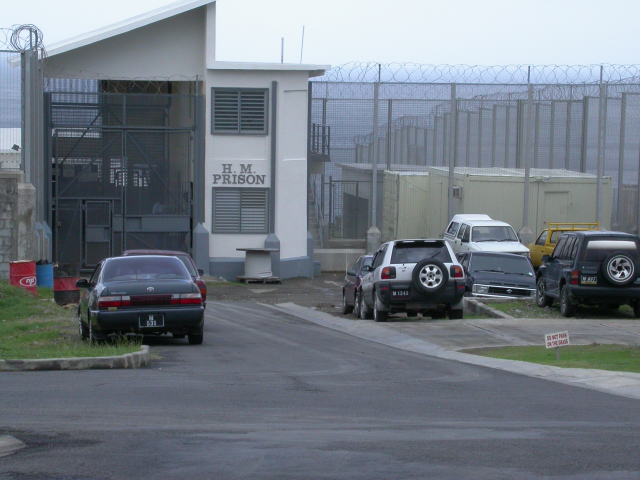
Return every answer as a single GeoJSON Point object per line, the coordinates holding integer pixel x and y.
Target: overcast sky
{"type": "Point", "coordinates": [473, 32]}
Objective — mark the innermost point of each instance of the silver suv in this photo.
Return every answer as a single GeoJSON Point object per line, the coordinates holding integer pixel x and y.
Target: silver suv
{"type": "Point", "coordinates": [412, 276]}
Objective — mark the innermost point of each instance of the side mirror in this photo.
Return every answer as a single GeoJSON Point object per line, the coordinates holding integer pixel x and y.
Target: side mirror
{"type": "Point", "coordinates": [82, 283]}
{"type": "Point", "coordinates": [351, 273]}
{"type": "Point", "coordinates": [200, 272]}
{"type": "Point", "coordinates": [545, 258]}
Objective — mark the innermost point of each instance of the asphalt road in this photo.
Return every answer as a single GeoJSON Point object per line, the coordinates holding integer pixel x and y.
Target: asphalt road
{"type": "Point", "coordinates": [270, 396]}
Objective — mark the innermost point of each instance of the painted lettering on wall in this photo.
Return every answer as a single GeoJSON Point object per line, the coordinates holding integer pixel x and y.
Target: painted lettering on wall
{"type": "Point", "coordinates": [246, 175]}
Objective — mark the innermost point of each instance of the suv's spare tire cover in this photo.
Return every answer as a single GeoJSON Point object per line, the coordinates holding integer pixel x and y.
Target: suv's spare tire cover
{"type": "Point", "coordinates": [618, 269]}
{"type": "Point", "coordinates": [430, 275]}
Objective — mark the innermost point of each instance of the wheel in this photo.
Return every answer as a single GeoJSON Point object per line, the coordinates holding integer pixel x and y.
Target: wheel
{"type": "Point", "coordinates": [365, 312]}
{"type": "Point", "coordinates": [430, 275]}
{"type": "Point", "coordinates": [456, 314]}
{"type": "Point", "coordinates": [84, 332]}
{"type": "Point", "coordinates": [438, 314]}
{"type": "Point", "coordinates": [346, 309]}
{"type": "Point", "coordinates": [567, 309]}
{"type": "Point", "coordinates": [379, 315]}
{"type": "Point", "coordinates": [618, 269]}
{"type": "Point", "coordinates": [542, 299]}
{"type": "Point", "coordinates": [356, 305]}
{"type": "Point", "coordinates": [196, 338]}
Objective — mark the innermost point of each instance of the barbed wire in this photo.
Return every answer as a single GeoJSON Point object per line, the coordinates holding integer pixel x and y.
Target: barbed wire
{"type": "Point", "coordinates": [369, 72]}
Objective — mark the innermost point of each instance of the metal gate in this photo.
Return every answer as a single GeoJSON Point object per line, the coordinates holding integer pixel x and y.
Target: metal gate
{"type": "Point", "coordinates": [121, 174]}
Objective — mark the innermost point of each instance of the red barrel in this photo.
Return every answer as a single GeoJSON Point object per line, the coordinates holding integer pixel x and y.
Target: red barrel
{"type": "Point", "coordinates": [65, 276]}
{"type": "Point", "coordinates": [23, 274]}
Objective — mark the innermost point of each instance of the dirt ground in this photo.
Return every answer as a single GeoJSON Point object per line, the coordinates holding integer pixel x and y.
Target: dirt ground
{"type": "Point", "coordinates": [322, 293]}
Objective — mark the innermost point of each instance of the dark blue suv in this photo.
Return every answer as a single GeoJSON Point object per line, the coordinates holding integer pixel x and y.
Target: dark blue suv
{"type": "Point", "coordinates": [591, 268]}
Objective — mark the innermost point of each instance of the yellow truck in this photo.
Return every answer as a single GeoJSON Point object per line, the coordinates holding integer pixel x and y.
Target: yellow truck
{"type": "Point", "coordinates": [546, 242]}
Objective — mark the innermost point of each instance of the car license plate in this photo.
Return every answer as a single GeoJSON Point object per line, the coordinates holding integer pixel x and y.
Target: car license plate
{"type": "Point", "coordinates": [152, 320]}
{"type": "Point", "coordinates": [589, 280]}
{"type": "Point", "coordinates": [399, 293]}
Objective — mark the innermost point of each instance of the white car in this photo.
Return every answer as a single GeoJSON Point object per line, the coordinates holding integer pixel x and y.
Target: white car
{"type": "Point", "coordinates": [480, 233]}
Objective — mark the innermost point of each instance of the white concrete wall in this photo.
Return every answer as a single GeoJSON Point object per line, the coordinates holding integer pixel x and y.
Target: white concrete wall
{"type": "Point", "coordinates": [171, 49]}
{"type": "Point", "coordinates": [291, 159]}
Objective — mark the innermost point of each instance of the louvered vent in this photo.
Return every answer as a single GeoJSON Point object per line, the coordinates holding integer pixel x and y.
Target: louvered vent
{"type": "Point", "coordinates": [239, 111]}
{"type": "Point", "coordinates": [240, 210]}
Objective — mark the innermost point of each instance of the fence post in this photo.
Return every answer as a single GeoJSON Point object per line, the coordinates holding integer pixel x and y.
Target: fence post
{"type": "Point", "coordinates": [389, 120]}
{"type": "Point", "coordinates": [373, 234]}
{"type": "Point", "coordinates": [601, 145]}
{"type": "Point", "coordinates": [526, 235]}
{"type": "Point", "coordinates": [623, 119]}
{"type": "Point", "coordinates": [452, 149]}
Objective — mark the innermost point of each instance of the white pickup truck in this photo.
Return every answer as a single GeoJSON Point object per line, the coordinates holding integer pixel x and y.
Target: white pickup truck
{"type": "Point", "coordinates": [481, 233]}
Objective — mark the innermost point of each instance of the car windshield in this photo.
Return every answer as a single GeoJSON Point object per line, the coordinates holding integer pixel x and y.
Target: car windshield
{"type": "Point", "coordinates": [144, 267]}
{"type": "Point", "coordinates": [493, 233]}
{"type": "Point", "coordinates": [598, 250]}
{"type": "Point", "coordinates": [504, 264]}
{"type": "Point", "coordinates": [414, 252]}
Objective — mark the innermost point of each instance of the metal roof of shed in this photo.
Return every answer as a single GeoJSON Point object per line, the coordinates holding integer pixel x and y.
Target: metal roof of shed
{"type": "Point", "coordinates": [125, 26]}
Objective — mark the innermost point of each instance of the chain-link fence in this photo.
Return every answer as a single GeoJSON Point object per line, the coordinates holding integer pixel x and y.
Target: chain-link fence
{"type": "Point", "coordinates": [10, 110]}
{"type": "Point", "coordinates": [523, 144]}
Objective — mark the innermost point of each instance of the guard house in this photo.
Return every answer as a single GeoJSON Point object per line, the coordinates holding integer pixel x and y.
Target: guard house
{"type": "Point", "coordinates": [155, 144]}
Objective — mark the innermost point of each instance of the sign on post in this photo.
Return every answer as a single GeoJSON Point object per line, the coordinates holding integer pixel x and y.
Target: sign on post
{"type": "Point", "coordinates": [557, 340]}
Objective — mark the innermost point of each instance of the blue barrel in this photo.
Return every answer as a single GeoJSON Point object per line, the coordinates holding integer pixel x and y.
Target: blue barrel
{"type": "Point", "coordinates": [44, 275]}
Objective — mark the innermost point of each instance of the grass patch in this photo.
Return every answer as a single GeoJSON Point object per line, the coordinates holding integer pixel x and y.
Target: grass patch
{"type": "Point", "coordinates": [529, 309]}
{"type": "Point", "coordinates": [36, 328]}
{"type": "Point", "coordinates": [618, 358]}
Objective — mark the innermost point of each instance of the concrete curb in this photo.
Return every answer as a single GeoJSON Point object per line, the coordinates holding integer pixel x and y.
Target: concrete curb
{"type": "Point", "coordinates": [473, 305]}
{"type": "Point", "coordinates": [128, 360]}
{"type": "Point", "coordinates": [9, 445]}
{"type": "Point", "coordinates": [617, 383]}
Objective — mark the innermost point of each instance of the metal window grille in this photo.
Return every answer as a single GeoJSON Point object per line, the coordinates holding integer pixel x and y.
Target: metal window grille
{"type": "Point", "coordinates": [239, 111]}
{"type": "Point", "coordinates": [240, 210]}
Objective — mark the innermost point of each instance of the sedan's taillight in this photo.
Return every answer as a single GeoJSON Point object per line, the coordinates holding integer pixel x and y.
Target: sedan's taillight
{"type": "Point", "coordinates": [111, 302]}
{"type": "Point", "coordinates": [456, 271]}
{"type": "Point", "coordinates": [388, 273]}
{"type": "Point", "coordinates": [186, 299]}
{"type": "Point", "coordinates": [191, 299]}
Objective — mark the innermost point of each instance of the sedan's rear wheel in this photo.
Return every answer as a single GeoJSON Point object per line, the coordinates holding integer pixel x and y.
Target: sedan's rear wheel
{"type": "Point", "coordinates": [346, 308]}
{"type": "Point", "coordinates": [82, 330]}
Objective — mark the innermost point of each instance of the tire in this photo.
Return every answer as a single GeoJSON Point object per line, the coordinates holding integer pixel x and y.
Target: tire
{"type": "Point", "coordinates": [346, 309]}
{"type": "Point", "coordinates": [379, 315]}
{"type": "Point", "coordinates": [542, 299]}
{"type": "Point", "coordinates": [618, 269]}
{"type": "Point", "coordinates": [82, 330]}
{"type": "Point", "coordinates": [430, 276]}
{"type": "Point", "coordinates": [365, 312]}
{"type": "Point", "coordinates": [456, 314]}
{"type": "Point", "coordinates": [196, 338]}
{"type": "Point", "coordinates": [567, 309]}
{"type": "Point", "coordinates": [356, 305]}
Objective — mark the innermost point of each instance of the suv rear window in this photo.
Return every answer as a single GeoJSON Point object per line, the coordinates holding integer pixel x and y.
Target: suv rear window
{"type": "Point", "coordinates": [598, 250]}
{"type": "Point", "coordinates": [413, 252]}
